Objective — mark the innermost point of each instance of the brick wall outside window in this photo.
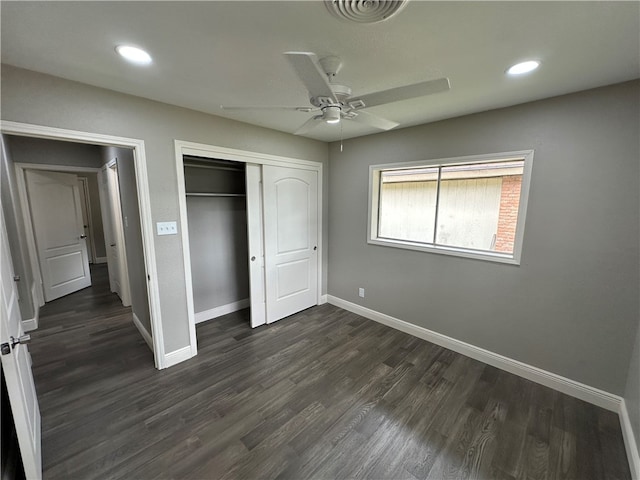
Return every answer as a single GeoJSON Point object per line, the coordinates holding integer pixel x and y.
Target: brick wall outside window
{"type": "Point", "coordinates": [508, 216]}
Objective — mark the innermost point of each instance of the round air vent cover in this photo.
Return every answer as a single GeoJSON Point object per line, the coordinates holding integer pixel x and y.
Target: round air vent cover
{"type": "Point", "coordinates": [365, 11]}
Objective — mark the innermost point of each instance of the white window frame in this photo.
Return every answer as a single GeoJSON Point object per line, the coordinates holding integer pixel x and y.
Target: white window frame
{"type": "Point", "coordinates": [374, 198]}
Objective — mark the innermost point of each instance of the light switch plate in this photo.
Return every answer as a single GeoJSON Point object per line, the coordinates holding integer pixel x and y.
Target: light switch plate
{"type": "Point", "coordinates": [167, 228]}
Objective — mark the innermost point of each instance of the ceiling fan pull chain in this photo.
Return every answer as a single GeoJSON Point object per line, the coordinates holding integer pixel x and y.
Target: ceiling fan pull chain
{"type": "Point", "coordinates": [340, 136]}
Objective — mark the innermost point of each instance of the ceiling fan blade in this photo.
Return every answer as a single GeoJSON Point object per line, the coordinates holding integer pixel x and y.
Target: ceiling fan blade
{"type": "Point", "coordinates": [374, 120]}
{"type": "Point", "coordinates": [310, 71]}
{"type": "Point", "coordinates": [309, 125]}
{"type": "Point", "coordinates": [274, 107]}
{"type": "Point", "coordinates": [400, 93]}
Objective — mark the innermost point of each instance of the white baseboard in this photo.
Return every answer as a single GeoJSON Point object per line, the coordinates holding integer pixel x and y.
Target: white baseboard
{"type": "Point", "coordinates": [32, 323]}
{"type": "Point", "coordinates": [143, 331]}
{"type": "Point", "coordinates": [221, 310]}
{"type": "Point", "coordinates": [589, 394]}
{"type": "Point", "coordinates": [323, 299]}
{"type": "Point", "coordinates": [100, 260]}
{"type": "Point", "coordinates": [633, 455]}
{"type": "Point", "coordinates": [177, 356]}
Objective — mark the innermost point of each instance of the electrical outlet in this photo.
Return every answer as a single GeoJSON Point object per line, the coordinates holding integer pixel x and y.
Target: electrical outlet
{"type": "Point", "coordinates": [167, 228]}
{"type": "Point", "coordinates": [361, 292]}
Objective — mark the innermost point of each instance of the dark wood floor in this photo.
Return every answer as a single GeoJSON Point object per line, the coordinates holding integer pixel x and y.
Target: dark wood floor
{"type": "Point", "coordinates": [325, 394]}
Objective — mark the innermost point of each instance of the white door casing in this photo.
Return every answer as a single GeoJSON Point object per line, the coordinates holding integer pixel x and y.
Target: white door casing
{"type": "Point", "coordinates": [291, 239]}
{"type": "Point", "coordinates": [144, 204]}
{"type": "Point", "coordinates": [255, 243]}
{"type": "Point", "coordinates": [54, 201]}
{"type": "Point", "coordinates": [16, 365]}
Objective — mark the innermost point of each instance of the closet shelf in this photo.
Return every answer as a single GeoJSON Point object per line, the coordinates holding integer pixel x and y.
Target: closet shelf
{"type": "Point", "coordinates": [195, 194]}
{"type": "Point", "coordinates": [214, 167]}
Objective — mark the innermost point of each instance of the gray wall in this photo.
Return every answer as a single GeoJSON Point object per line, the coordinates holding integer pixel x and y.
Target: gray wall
{"type": "Point", "coordinates": [70, 154]}
{"type": "Point", "coordinates": [632, 391]}
{"type": "Point", "coordinates": [571, 307]}
{"type": "Point", "coordinates": [39, 99]}
{"type": "Point", "coordinates": [53, 152]}
{"type": "Point", "coordinates": [15, 231]}
{"type": "Point", "coordinates": [218, 246]}
{"type": "Point", "coordinates": [132, 231]}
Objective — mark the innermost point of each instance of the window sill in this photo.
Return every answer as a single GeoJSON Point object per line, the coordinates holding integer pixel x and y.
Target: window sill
{"type": "Point", "coordinates": [453, 251]}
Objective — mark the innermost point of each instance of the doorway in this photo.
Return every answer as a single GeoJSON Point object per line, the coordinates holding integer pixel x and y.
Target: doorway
{"type": "Point", "coordinates": [142, 212]}
{"type": "Point", "coordinates": [52, 209]}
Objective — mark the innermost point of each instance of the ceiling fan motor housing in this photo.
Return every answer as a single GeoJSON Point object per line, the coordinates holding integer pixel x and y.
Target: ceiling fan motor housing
{"type": "Point", "coordinates": [342, 92]}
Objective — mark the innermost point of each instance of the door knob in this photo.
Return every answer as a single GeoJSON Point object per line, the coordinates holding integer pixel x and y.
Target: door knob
{"type": "Point", "coordinates": [113, 244]}
{"type": "Point", "coordinates": [6, 348]}
{"type": "Point", "coordinates": [16, 278]}
{"type": "Point", "coordinates": [22, 339]}
{"type": "Point", "coordinates": [83, 236]}
{"type": "Point", "coordinates": [253, 259]}
{"type": "Point", "coordinates": [315, 248]}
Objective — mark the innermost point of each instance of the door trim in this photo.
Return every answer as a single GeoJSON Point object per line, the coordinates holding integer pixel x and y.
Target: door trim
{"type": "Point", "coordinates": [245, 156]}
{"type": "Point", "coordinates": [144, 201]}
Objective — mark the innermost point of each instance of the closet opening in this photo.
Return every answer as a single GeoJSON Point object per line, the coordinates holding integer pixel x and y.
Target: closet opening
{"type": "Point", "coordinates": [216, 200]}
{"type": "Point", "coordinates": [251, 227]}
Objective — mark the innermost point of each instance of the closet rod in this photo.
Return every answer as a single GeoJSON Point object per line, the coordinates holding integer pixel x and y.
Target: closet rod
{"type": "Point", "coordinates": [194, 194]}
{"type": "Point", "coordinates": [213, 167]}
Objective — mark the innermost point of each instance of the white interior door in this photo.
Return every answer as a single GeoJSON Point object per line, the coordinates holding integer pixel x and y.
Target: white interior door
{"type": "Point", "coordinates": [85, 206]}
{"type": "Point", "coordinates": [54, 202]}
{"type": "Point", "coordinates": [16, 365]}
{"type": "Point", "coordinates": [255, 242]}
{"type": "Point", "coordinates": [291, 239]}
{"type": "Point", "coordinates": [107, 227]}
{"type": "Point", "coordinates": [114, 232]}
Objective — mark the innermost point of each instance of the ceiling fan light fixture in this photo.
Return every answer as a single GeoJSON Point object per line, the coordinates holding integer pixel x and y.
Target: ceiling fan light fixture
{"type": "Point", "coordinates": [134, 54]}
{"type": "Point", "coordinates": [523, 67]}
{"type": "Point", "coordinates": [331, 114]}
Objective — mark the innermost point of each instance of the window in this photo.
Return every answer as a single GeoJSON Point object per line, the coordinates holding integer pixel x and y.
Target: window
{"type": "Point", "coordinates": [469, 206]}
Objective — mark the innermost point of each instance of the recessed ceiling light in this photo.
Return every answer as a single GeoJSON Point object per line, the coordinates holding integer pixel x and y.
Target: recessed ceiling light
{"type": "Point", "coordinates": [523, 67]}
{"type": "Point", "coordinates": [134, 54]}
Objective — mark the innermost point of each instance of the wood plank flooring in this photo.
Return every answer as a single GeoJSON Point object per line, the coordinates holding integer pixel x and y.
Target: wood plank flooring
{"type": "Point", "coordinates": [324, 394]}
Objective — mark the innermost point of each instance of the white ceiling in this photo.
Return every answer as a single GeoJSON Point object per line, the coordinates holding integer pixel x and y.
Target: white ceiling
{"type": "Point", "coordinates": [212, 53]}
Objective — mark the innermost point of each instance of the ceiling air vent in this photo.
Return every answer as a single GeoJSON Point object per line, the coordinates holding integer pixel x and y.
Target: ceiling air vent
{"type": "Point", "coordinates": [365, 11]}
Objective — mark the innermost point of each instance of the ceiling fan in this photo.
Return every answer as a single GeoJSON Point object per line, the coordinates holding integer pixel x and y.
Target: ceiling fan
{"type": "Point", "coordinates": [335, 102]}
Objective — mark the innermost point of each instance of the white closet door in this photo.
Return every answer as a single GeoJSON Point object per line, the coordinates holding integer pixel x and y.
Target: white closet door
{"type": "Point", "coordinates": [291, 239]}
{"type": "Point", "coordinates": [255, 243]}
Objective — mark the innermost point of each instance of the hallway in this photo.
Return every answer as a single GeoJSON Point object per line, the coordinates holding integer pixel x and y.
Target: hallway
{"type": "Point", "coordinates": [86, 347]}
